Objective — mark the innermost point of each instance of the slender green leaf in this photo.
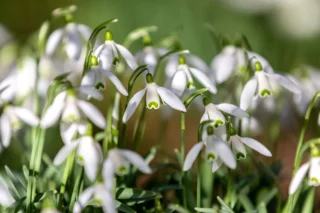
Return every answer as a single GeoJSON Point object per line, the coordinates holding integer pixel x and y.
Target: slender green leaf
{"type": "Point", "coordinates": [195, 94]}
{"type": "Point", "coordinates": [17, 185]}
{"type": "Point", "coordinates": [130, 194]}
{"type": "Point", "coordinates": [262, 208]}
{"type": "Point", "coordinates": [176, 208]}
{"type": "Point", "coordinates": [245, 202]}
{"type": "Point", "coordinates": [224, 205]}
{"type": "Point", "coordinates": [124, 208]}
{"type": "Point", "coordinates": [309, 201]}
{"type": "Point", "coordinates": [135, 75]}
{"type": "Point", "coordinates": [205, 210]}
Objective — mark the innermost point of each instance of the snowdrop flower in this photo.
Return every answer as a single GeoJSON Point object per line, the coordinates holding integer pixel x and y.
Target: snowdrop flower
{"type": "Point", "coordinates": [237, 144]}
{"type": "Point", "coordinates": [71, 37]}
{"type": "Point", "coordinates": [234, 60]}
{"type": "Point", "coordinates": [153, 92]}
{"type": "Point", "coordinates": [108, 54]}
{"type": "Point", "coordinates": [71, 109]}
{"type": "Point", "coordinates": [97, 195]}
{"type": "Point", "coordinates": [216, 151]}
{"type": "Point", "coordinates": [259, 86]}
{"type": "Point", "coordinates": [213, 112]}
{"type": "Point", "coordinates": [95, 77]}
{"type": "Point", "coordinates": [89, 154]}
{"type": "Point", "coordinates": [10, 121]}
{"type": "Point", "coordinates": [313, 166]}
{"type": "Point", "coordinates": [183, 78]}
{"type": "Point", "coordinates": [118, 162]}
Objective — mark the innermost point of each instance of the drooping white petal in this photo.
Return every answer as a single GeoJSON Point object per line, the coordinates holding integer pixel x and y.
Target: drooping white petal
{"type": "Point", "coordinates": [89, 78]}
{"type": "Point", "coordinates": [248, 93]}
{"type": "Point", "coordinates": [108, 173]}
{"type": "Point", "coordinates": [203, 79]}
{"type": "Point", "coordinates": [83, 200]}
{"type": "Point", "coordinates": [100, 48]}
{"type": "Point", "coordinates": [171, 99]}
{"type": "Point", "coordinates": [216, 165]}
{"type": "Point", "coordinates": [238, 148]}
{"type": "Point", "coordinates": [108, 202]}
{"type": "Point", "coordinates": [26, 115]}
{"type": "Point", "coordinates": [6, 130]}
{"type": "Point", "coordinates": [90, 91]}
{"type": "Point", "coordinates": [54, 40]}
{"type": "Point", "coordinates": [314, 172]}
{"type": "Point", "coordinates": [256, 145]}
{"type": "Point", "coordinates": [65, 151]}
{"type": "Point", "coordinates": [223, 64]}
{"type": "Point", "coordinates": [192, 155]}
{"type": "Point", "coordinates": [172, 66]}
{"type": "Point", "coordinates": [85, 31]}
{"type": "Point", "coordinates": [225, 153]}
{"type": "Point", "coordinates": [67, 132]}
{"type": "Point", "coordinates": [128, 57]}
{"type": "Point", "coordinates": [91, 156]}
{"type": "Point", "coordinates": [153, 101]}
{"type": "Point", "coordinates": [117, 83]}
{"type": "Point", "coordinates": [179, 82]}
{"type": "Point", "coordinates": [73, 42]}
{"type": "Point", "coordinates": [52, 114]}
{"type": "Point", "coordinates": [92, 113]}
{"type": "Point", "coordinates": [105, 55]}
{"type": "Point", "coordinates": [195, 61]}
{"type": "Point", "coordinates": [136, 160]}
{"type": "Point", "coordinates": [132, 105]}
{"type": "Point", "coordinates": [298, 178]}
{"type": "Point", "coordinates": [264, 88]}
{"type": "Point", "coordinates": [285, 82]}
{"type": "Point", "coordinates": [232, 110]}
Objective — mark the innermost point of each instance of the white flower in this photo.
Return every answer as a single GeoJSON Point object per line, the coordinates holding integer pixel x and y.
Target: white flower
{"type": "Point", "coordinates": [313, 166]}
{"type": "Point", "coordinates": [153, 100]}
{"type": "Point", "coordinates": [71, 37]}
{"type": "Point", "coordinates": [216, 151]}
{"type": "Point", "coordinates": [183, 78]}
{"type": "Point", "coordinates": [97, 195]}
{"type": "Point", "coordinates": [234, 60]}
{"type": "Point", "coordinates": [89, 155]}
{"type": "Point", "coordinates": [95, 77]}
{"type": "Point", "coordinates": [118, 162]}
{"type": "Point", "coordinates": [10, 121]}
{"type": "Point", "coordinates": [71, 109]}
{"type": "Point", "coordinates": [239, 150]}
{"type": "Point", "coordinates": [259, 85]}
{"type": "Point", "coordinates": [213, 112]}
{"type": "Point", "coordinates": [108, 54]}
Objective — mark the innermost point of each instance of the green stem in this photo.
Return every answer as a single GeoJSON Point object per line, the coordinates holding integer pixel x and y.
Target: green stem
{"type": "Point", "coordinates": [140, 128]}
{"type": "Point", "coordinates": [65, 177]}
{"type": "Point", "coordinates": [108, 131]}
{"type": "Point", "coordinates": [199, 182]}
{"type": "Point", "coordinates": [76, 189]}
{"type": "Point", "coordinates": [182, 128]}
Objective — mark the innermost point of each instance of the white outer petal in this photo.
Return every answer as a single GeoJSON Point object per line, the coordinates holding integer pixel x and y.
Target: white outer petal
{"type": "Point", "coordinates": [108, 202]}
{"type": "Point", "coordinates": [92, 113]}
{"type": "Point", "coordinates": [203, 79]}
{"type": "Point", "coordinates": [132, 105]}
{"type": "Point", "coordinates": [54, 40]}
{"type": "Point", "coordinates": [6, 130]}
{"type": "Point", "coordinates": [117, 83]}
{"type": "Point", "coordinates": [232, 110]}
{"type": "Point", "coordinates": [298, 178]}
{"type": "Point", "coordinates": [83, 200]}
{"type": "Point", "coordinates": [136, 160]}
{"type": "Point", "coordinates": [85, 31]}
{"type": "Point", "coordinates": [105, 56]}
{"type": "Point", "coordinates": [237, 146]}
{"type": "Point", "coordinates": [52, 114]}
{"type": "Point", "coordinates": [248, 93]}
{"type": "Point", "coordinates": [216, 165]}
{"type": "Point", "coordinates": [223, 65]}
{"type": "Point", "coordinates": [197, 62]}
{"type": "Point", "coordinates": [91, 155]}
{"type": "Point", "coordinates": [256, 145]}
{"type": "Point", "coordinates": [192, 155]}
{"type": "Point", "coordinates": [225, 153]}
{"type": "Point", "coordinates": [90, 91]}
{"type": "Point", "coordinates": [67, 132]}
{"type": "Point", "coordinates": [128, 57]}
{"type": "Point", "coordinates": [64, 152]}
{"type": "Point", "coordinates": [212, 113]}
{"type": "Point", "coordinates": [179, 82]}
{"type": "Point", "coordinates": [285, 82]}
{"type": "Point", "coordinates": [108, 173]}
{"type": "Point", "coordinates": [73, 42]}
{"type": "Point", "coordinates": [89, 78]}
{"type": "Point", "coordinates": [26, 115]}
{"type": "Point", "coordinates": [171, 99]}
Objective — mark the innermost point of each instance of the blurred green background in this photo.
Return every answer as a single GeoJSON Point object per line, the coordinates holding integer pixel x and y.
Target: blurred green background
{"type": "Point", "coordinates": [267, 37]}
